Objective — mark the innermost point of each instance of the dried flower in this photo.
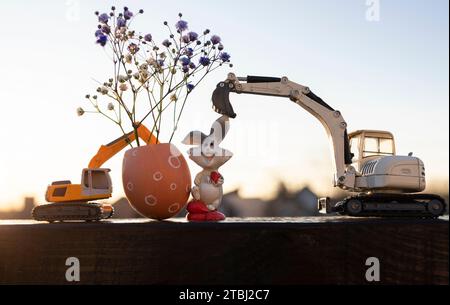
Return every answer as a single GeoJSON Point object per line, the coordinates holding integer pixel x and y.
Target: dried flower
{"type": "Point", "coordinates": [133, 48]}
{"type": "Point", "coordinates": [127, 14]}
{"type": "Point", "coordinates": [80, 111]}
{"type": "Point", "coordinates": [174, 98]}
{"type": "Point", "coordinates": [181, 25]}
{"type": "Point", "coordinates": [123, 87]}
{"type": "Point", "coordinates": [225, 56]}
{"type": "Point", "coordinates": [190, 87]}
{"type": "Point", "coordinates": [215, 39]}
{"type": "Point", "coordinates": [121, 22]}
{"type": "Point", "coordinates": [193, 36]}
{"type": "Point", "coordinates": [186, 39]}
{"type": "Point", "coordinates": [185, 69]}
{"type": "Point", "coordinates": [110, 106]}
{"type": "Point", "coordinates": [128, 58]}
{"type": "Point", "coordinates": [122, 78]}
{"type": "Point", "coordinates": [102, 40]}
{"type": "Point", "coordinates": [166, 43]}
{"type": "Point", "coordinates": [104, 90]}
{"type": "Point", "coordinates": [103, 18]}
{"type": "Point", "coordinates": [148, 37]}
{"type": "Point", "coordinates": [189, 52]}
{"type": "Point", "coordinates": [185, 61]}
{"type": "Point", "coordinates": [204, 61]}
{"type": "Point", "coordinates": [220, 47]}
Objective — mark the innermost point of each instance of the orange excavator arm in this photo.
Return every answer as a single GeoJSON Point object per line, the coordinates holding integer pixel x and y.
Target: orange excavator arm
{"type": "Point", "coordinates": [108, 151]}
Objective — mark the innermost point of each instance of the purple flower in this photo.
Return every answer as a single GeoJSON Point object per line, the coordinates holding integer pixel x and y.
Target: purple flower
{"type": "Point", "coordinates": [148, 37]}
{"type": "Point", "coordinates": [186, 39]}
{"type": "Point", "coordinates": [102, 40]}
{"type": "Point", "coordinates": [215, 39]}
{"type": "Point", "coordinates": [181, 25]}
{"type": "Point", "coordinates": [193, 36]}
{"type": "Point", "coordinates": [185, 61]}
{"type": "Point", "coordinates": [121, 22]}
{"type": "Point", "coordinates": [166, 43]}
{"type": "Point", "coordinates": [186, 69]}
{"type": "Point", "coordinates": [106, 29]}
{"type": "Point", "coordinates": [103, 18]}
{"type": "Point", "coordinates": [220, 47]}
{"type": "Point", "coordinates": [161, 62]}
{"type": "Point", "coordinates": [192, 66]}
{"type": "Point", "coordinates": [190, 87]}
{"type": "Point", "coordinates": [225, 56]}
{"type": "Point", "coordinates": [127, 14]}
{"type": "Point", "coordinates": [204, 61]}
{"type": "Point", "coordinates": [189, 52]}
{"type": "Point", "coordinates": [133, 48]}
{"type": "Point", "coordinates": [98, 33]}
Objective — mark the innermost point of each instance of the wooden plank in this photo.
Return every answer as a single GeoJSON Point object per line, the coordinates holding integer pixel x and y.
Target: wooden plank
{"type": "Point", "coordinates": [323, 250]}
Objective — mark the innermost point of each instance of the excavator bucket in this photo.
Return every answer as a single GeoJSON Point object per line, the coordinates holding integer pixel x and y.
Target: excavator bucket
{"type": "Point", "coordinates": [221, 100]}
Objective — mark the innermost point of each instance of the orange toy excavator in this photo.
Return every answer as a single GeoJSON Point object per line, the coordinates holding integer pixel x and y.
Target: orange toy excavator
{"type": "Point", "coordinates": [72, 202]}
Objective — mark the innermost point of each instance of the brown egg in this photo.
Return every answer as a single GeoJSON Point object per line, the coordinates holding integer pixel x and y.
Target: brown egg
{"type": "Point", "coordinates": [156, 180]}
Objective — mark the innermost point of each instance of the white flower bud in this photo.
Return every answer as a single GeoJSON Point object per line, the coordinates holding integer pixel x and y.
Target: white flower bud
{"type": "Point", "coordinates": [80, 111]}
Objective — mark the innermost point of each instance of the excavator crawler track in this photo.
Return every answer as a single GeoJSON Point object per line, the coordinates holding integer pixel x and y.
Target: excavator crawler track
{"type": "Point", "coordinates": [392, 205]}
{"type": "Point", "coordinates": [72, 211]}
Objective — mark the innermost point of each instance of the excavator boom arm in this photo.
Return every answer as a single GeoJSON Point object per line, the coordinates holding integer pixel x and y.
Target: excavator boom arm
{"type": "Point", "coordinates": [332, 120]}
{"type": "Point", "coordinates": [108, 151]}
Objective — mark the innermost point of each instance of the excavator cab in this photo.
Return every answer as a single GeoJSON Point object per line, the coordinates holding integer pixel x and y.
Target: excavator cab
{"type": "Point", "coordinates": [96, 182]}
{"type": "Point", "coordinates": [367, 145]}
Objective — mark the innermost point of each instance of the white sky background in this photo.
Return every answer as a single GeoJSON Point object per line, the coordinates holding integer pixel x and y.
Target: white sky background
{"type": "Point", "coordinates": [390, 75]}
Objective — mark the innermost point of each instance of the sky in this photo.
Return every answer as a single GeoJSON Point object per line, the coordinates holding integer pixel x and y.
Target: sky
{"type": "Point", "coordinates": [388, 72]}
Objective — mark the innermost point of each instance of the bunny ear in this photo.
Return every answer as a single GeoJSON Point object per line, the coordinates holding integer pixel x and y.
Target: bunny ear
{"type": "Point", "coordinates": [194, 138]}
{"type": "Point", "coordinates": [220, 129]}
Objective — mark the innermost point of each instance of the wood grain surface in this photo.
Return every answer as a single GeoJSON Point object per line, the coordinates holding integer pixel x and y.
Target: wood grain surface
{"type": "Point", "coordinates": [323, 250]}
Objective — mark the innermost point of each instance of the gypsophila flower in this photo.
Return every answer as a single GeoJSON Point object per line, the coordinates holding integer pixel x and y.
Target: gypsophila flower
{"type": "Point", "coordinates": [192, 66]}
{"type": "Point", "coordinates": [98, 33]}
{"type": "Point", "coordinates": [121, 22]}
{"type": "Point", "coordinates": [122, 78]}
{"type": "Point", "coordinates": [181, 25]}
{"type": "Point", "coordinates": [103, 18]}
{"type": "Point", "coordinates": [106, 29]}
{"type": "Point", "coordinates": [185, 61]}
{"type": "Point", "coordinates": [193, 36]}
{"type": "Point", "coordinates": [190, 87]}
{"type": "Point", "coordinates": [220, 47]}
{"type": "Point", "coordinates": [185, 69]}
{"type": "Point", "coordinates": [104, 90]}
{"type": "Point", "coordinates": [186, 39]}
{"type": "Point", "coordinates": [215, 39]}
{"type": "Point", "coordinates": [173, 98]}
{"type": "Point", "coordinates": [123, 87]}
{"type": "Point", "coordinates": [166, 43]}
{"type": "Point", "coordinates": [110, 106]}
{"type": "Point", "coordinates": [102, 40]}
{"type": "Point", "coordinates": [225, 56]}
{"type": "Point", "coordinates": [148, 37]}
{"type": "Point", "coordinates": [189, 52]}
{"type": "Point", "coordinates": [204, 61]}
{"type": "Point", "coordinates": [80, 111]}
{"type": "Point", "coordinates": [127, 14]}
{"type": "Point", "coordinates": [133, 48]}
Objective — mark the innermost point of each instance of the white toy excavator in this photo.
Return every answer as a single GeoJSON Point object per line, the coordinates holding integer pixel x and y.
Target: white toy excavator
{"type": "Point", "coordinates": [366, 164]}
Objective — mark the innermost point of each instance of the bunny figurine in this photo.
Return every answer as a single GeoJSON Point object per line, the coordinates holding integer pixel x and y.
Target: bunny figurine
{"type": "Point", "coordinates": [208, 191]}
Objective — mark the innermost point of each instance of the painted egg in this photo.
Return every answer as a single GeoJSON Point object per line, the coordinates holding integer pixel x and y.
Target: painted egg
{"type": "Point", "coordinates": [156, 180]}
